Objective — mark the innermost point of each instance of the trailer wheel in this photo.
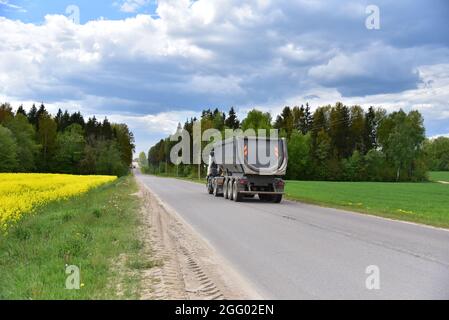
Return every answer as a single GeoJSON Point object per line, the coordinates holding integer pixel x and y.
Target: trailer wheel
{"type": "Point", "coordinates": [216, 194]}
{"type": "Point", "coordinates": [210, 189]}
{"type": "Point", "coordinates": [231, 190]}
{"type": "Point", "coordinates": [236, 195]}
{"type": "Point", "coordinates": [225, 189]}
{"type": "Point", "coordinates": [277, 198]}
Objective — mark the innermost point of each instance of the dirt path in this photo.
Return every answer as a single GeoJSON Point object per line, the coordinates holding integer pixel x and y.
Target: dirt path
{"type": "Point", "coordinates": [189, 268]}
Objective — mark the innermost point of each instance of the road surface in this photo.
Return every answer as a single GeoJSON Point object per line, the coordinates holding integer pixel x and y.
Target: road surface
{"type": "Point", "coordinates": [298, 251]}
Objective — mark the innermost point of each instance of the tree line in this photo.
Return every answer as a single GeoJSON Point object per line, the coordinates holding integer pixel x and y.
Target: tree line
{"type": "Point", "coordinates": [36, 141]}
{"type": "Point", "coordinates": [336, 143]}
{"type": "Point", "coordinates": [437, 153]}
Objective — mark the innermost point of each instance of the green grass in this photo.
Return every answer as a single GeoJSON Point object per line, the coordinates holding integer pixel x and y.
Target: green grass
{"type": "Point", "coordinates": [426, 202]}
{"type": "Point", "coordinates": [439, 176]}
{"type": "Point", "coordinates": [91, 231]}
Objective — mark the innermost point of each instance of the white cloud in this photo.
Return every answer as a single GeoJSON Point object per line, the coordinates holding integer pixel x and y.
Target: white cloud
{"type": "Point", "coordinates": [149, 129]}
{"type": "Point", "coordinates": [440, 135]}
{"type": "Point", "coordinates": [165, 122]}
{"type": "Point", "coordinates": [200, 54]}
{"type": "Point", "coordinates": [12, 6]}
{"type": "Point", "coordinates": [132, 6]}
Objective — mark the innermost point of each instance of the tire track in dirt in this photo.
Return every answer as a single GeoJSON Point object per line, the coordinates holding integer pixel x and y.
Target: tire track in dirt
{"type": "Point", "coordinates": [190, 269]}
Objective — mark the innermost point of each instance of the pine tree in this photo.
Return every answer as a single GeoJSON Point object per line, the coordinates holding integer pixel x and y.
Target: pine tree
{"type": "Point", "coordinates": [92, 128]}
{"type": "Point", "coordinates": [231, 121]}
{"type": "Point", "coordinates": [32, 115]}
{"type": "Point", "coordinates": [357, 128]}
{"type": "Point", "coordinates": [58, 119]}
{"type": "Point", "coordinates": [106, 129]}
{"type": "Point", "coordinates": [65, 121]}
{"type": "Point", "coordinates": [298, 115]}
{"type": "Point", "coordinates": [21, 110]}
{"type": "Point", "coordinates": [370, 132]}
{"type": "Point", "coordinates": [76, 117]}
{"type": "Point", "coordinates": [285, 121]}
{"type": "Point", "coordinates": [307, 119]}
{"type": "Point", "coordinates": [41, 111]}
{"type": "Point", "coordinates": [339, 130]}
{"type": "Point", "coordinates": [320, 121]}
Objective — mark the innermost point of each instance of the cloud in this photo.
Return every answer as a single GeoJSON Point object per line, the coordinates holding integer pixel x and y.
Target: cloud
{"type": "Point", "coordinates": [200, 54]}
{"type": "Point", "coordinates": [11, 6]}
{"type": "Point", "coordinates": [149, 129]}
{"type": "Point", "coordinates": [446, 135]}
{"type": "Point", "coordinates": [430, 98]}
{"type": "Point", "coordinates": [132, 6]}
{"type": "Point", "coordinates": [370, 71]}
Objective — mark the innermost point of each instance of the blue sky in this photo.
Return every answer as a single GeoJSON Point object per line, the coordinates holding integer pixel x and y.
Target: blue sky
{"type": "Point", "coordinates": [154, 63]}
{"type": "Point", "coordinates": [34, 11]}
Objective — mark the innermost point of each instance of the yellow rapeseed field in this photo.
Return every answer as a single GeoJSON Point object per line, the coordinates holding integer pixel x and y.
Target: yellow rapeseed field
{"type": "Point", "coordinates": [22, 193]}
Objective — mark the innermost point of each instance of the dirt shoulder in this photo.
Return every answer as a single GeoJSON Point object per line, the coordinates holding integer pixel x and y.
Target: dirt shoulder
{"type": "Point", "coordinates": [189, 267]}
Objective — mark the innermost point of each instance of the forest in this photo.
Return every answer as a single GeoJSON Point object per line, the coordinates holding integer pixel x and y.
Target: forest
{"type": "Point", "coordinates": [334, 143]}
{"type": "Point", "coordinates": [36, 141]}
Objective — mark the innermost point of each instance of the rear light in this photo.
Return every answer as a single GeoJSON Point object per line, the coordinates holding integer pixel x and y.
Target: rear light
{"type": "Point", "coordinates": [243, 181]}
{"type": "Point", "coordinates": [280, 183]}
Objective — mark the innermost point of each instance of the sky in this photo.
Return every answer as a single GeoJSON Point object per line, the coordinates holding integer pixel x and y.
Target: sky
{"type": "Point", "coordinates": [152, 64]}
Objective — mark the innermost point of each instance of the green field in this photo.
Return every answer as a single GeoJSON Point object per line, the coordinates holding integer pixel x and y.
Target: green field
{"type": "Point", "coordinates": [92, 231]}
{"type": "Point", "coordinates": [426, 203]}
{"type": "Point", "coordinates": [439, 176]}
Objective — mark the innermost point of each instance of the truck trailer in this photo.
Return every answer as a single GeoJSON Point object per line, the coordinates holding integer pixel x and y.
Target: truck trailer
{"type": "Point", "coordinates": [243, 166]}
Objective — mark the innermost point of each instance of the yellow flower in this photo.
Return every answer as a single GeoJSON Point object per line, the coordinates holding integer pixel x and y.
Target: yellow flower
{"type": "Point", "coordinates": [22, 193]}
{"type": "Point", "coordinates": [405, 211]}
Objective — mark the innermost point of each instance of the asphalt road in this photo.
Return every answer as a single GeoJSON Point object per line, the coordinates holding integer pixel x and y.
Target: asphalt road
{"type": "Point", "coordinates": [298, 251]}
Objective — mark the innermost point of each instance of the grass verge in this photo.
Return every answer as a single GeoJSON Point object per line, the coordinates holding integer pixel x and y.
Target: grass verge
{"type": "Point", "coordinates": [439, 176]}
{"type": "Point", "coordinates": [92, 231]}
{"type": "Point", "coordinates": [426, 203]}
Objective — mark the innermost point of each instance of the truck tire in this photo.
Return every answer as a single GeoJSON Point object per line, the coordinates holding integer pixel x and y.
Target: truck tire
{"type": "Point", "coordinates": [277, 198]}
{"type": "Point", "coordinates": [210, 190]}
{"type": "Point", "coordinates": [225, 189]}
{"type": "Point", "coordinates": [236, 196]}
{"type": "Point", "coordinates": [230, 190]}
{"type": "Point", "coordinates": [216, 194]}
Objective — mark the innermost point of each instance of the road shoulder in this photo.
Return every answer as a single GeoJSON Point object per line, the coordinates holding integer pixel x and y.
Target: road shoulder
{"type": "Point", "coordinates": [190, 268]}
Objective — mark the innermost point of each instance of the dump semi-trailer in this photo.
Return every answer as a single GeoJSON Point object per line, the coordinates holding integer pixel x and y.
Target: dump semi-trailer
{"type": "Point", "coordinates": [247, 166]}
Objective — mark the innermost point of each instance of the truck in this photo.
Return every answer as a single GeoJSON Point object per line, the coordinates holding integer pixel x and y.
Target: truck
{"type": "Point", "coordinates": [243, 167]}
